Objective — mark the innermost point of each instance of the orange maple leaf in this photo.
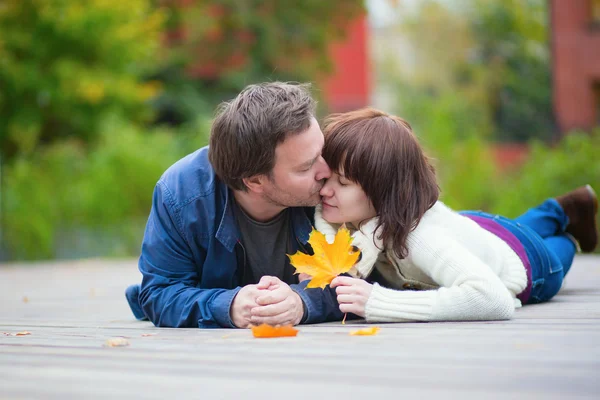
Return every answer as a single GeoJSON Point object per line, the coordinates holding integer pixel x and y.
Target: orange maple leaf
{"type": "Point", "coordinates": [268, 331]}
{"type": "Point", "coordinates": [328, 261]}
{"type": "Point", "coordinates": [365, 331]}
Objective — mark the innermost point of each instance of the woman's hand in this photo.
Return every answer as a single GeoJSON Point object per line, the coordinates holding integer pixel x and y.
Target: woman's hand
{"type": "Point", "coordinates": [352, 294]}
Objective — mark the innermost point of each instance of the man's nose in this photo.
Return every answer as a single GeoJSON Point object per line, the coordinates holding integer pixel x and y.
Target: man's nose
{"type": "Point", "coordinates": [324, 171]}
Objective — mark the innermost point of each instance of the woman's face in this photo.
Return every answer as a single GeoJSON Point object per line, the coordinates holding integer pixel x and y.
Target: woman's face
{"type": "Point", "coordinates": [345, 201]}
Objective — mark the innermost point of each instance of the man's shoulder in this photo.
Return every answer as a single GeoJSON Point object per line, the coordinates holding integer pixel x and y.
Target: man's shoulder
{"type": "Point", "coordinates": [190, 178]}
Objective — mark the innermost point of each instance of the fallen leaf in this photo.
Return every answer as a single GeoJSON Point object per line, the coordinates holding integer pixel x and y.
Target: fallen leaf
{"type": "Point", "coordinates": [328, 260]}
{"type": "Point", "coordinates": [365, 331]}
{"type": "Point", "coordinates": [23, 333]}
{"type": "Point", "coordinates": [268, 331]}
{"type": "Point", "coordinates": [149, 334]}
{"type": "Point", "coordinates": [25, 299]}
{"type": "Point", "coordinates": [116, 342]}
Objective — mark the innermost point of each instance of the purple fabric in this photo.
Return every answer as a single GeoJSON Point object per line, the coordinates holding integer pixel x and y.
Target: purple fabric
{"type": "Point", "coordinates": [492, 226]}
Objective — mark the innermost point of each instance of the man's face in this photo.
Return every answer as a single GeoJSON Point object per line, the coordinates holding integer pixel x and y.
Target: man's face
{"type": "Point", "coordinates": [300, 171]}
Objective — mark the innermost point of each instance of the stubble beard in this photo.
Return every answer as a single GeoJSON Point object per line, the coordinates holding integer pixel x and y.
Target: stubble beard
{"type": "Point", "coordinates": [281, 198]}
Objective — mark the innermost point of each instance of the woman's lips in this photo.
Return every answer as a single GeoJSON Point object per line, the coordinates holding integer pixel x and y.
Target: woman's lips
{"type": "Point", "coordinates": [327, 205]}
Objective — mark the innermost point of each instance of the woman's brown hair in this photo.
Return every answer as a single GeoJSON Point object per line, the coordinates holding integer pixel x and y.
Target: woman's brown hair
{"type": "Point", "coordinates": [381, 153]}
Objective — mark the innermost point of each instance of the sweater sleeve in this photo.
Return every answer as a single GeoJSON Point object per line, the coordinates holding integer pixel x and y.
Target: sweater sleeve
{"type": "Point", "coordinates": [469, 289]}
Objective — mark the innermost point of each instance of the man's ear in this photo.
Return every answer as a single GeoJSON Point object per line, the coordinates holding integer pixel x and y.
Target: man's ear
{"type": "Point", "coordinates": [255, 183]}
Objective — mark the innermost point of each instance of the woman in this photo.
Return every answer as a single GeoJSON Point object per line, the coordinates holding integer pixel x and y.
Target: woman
{"type": "Point", "coordinates": [427, 262]}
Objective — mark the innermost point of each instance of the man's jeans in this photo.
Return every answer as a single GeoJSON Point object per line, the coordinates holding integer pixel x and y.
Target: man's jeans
{"type": "Point", "coordinates": [550, 250]}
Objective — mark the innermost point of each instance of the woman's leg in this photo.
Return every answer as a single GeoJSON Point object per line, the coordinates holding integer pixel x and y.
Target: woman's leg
{"type": "Point", "coordinates": [574, 213]}
{"type": "Point", "coordinates": [546, 257]}
{"type": "Point", "coordinates": [564, 248]}
{"type": "Point", "coordinates": [548, 219]}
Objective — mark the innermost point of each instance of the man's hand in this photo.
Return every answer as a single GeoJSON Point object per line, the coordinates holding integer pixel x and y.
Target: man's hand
{"type": "Point", "coordinates": [352, 294]}
{"type": "Point", "coordinates": [245, 301]}
{"type": "Point", "coordinates": [279, 305]}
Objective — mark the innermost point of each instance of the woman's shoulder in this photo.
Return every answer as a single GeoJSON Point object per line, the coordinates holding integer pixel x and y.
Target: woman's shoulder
{"type": "Point", "coordinates": [437, 225]}
{"type": "Point", "coordinates": [438, 215]}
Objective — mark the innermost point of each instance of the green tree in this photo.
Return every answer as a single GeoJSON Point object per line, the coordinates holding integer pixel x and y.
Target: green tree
{"type": "Point", "coordinates": [444, 96]}
{"type": "Point", "coordinates": [512, 36]}
{"type": "Point", "coordinates": [494, 54]}
{"type": "Point", "coordinates": [216, 47]}
{"type": "Point", "coordinates": [66, 64]}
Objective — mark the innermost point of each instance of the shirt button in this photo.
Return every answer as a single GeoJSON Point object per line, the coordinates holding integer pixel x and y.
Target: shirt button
{"type": "Point", "coordinates": [409, 286]}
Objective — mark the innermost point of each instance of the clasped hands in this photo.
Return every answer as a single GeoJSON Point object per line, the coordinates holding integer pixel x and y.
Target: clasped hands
{"type": "Point", "coordinates": [271, 301]}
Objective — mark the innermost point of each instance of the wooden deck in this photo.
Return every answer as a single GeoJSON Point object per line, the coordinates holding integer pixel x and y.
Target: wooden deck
{"type": "Point", "coordinates": [548, 351]}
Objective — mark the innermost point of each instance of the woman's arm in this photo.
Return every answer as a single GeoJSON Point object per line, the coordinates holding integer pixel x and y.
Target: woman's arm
{"type": "Point", "coordinates": [469, 290]}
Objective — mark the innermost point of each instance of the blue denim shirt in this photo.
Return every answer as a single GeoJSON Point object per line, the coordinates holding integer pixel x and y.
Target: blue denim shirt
{"type": "Point", "coordinates": [192, 259]}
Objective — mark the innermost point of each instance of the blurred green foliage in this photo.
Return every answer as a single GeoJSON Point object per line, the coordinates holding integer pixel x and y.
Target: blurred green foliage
{"type": "Point", "coordinates": [493, 54]}
{"type": "Point", "coordinates": [65, 188]}
{"type": "Point", "coordinates": [488, 80]}
{"type": "Point", "coordinates": [86, 85]}
{"type": "Point", "coordinates": [549, 171]}
{"type": "Point", "coordinates": [67, 64]}
{"type": "Point", "coordinates": [512, 38]}
{"type": "Point", "coordinates": [217, 47]}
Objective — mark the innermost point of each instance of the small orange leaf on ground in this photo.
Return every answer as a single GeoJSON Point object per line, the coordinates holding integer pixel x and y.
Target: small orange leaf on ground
{"type": "Point", "coordinates": [328, 260]}
{"type": "Point", "coordinates": [365, 331]}
{"type": "Point", "coordinates": [23, 333]}
{"type": "Point", "coordinates": [25, 299]}
{"type": "Point", "coordinates": [149, 334]}
{"type": "Point", "coordinates": [116, 342]}
{"type": "Point", "coordinates": [268, 331]}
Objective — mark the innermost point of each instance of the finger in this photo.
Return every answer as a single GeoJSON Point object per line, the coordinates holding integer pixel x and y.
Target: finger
{"type": "Point", "coordinates": [266, 281]}
{"type": "Point", "coordinates": [281, 319]}
{"type": "Point", "coordinates": [304, 277]}
{"type": "Point", "coordinates": [347, 299]}
{"type": "Point", "coordinates": [351, 308]}
{"type": "Point", "coordinates": [271, 309]}
{"type": "Point", "coordinates": [344, 290]}
{"type": "Point", "coordinates": [342, 281]}
{"type": "Point", "coordinates": [273, 297]}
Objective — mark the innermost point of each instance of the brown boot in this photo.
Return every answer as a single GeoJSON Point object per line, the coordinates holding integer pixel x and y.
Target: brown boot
{"type": "Point", "coordinates": [581, 206]}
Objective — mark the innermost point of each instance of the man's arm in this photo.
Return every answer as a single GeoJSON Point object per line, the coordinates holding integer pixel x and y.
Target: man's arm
{"type": "Point", "coordinates": [321, 304]}
{"type": "Point", "coordinates": [169, 294]}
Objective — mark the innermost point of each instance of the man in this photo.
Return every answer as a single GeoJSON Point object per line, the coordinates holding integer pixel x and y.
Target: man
{"type": "Point", "coordinates": [224, 217]}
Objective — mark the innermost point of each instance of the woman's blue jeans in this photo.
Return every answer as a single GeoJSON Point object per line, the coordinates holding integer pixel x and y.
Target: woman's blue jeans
{"type": "Point", "coordinates": [550, 250]}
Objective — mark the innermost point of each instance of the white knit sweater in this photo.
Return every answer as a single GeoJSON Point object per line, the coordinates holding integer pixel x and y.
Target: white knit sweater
{"type": "Point", "coordinates": [471, 274]}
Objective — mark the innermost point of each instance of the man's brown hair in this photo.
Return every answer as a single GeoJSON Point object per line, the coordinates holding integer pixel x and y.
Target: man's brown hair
{"type": "Point", "coordinates": [381, 153]}
{"type": "Point", "coordinates": [247, 129]}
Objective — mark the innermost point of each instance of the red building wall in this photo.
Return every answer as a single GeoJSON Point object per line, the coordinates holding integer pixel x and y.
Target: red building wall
{"type": "Point", "coordinates": [575, 42]}
{"type": "Point", "coordinates": [349, 86]}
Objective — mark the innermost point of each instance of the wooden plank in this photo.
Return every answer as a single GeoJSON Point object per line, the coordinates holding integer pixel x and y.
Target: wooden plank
{"type": "Point", "coordinates": [548, 350]}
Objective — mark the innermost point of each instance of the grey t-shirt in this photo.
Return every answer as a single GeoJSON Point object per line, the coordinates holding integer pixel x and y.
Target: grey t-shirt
{"type": "Point", "coordinates": [266, 245]}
